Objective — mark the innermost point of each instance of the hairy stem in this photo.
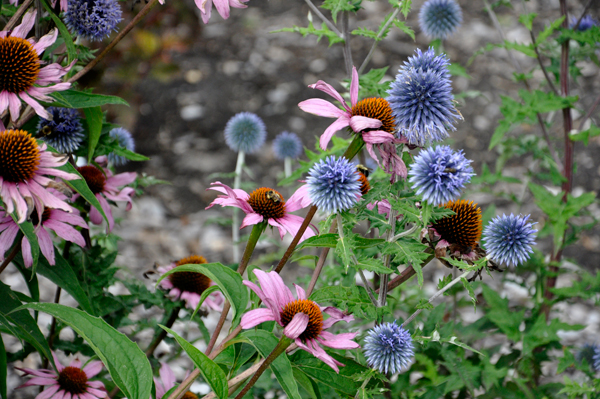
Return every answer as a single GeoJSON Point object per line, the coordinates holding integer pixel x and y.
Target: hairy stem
{"type": "Point", "coordinates": [387, 259]}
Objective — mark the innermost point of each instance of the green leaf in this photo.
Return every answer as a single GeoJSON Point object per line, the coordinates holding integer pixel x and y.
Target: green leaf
{"type": "Point", "coordinates": [585, 135]}
{"type": "Point", "coordinates": [325, 375]}
{"type": "Point", "coordinates": [203, 297]}
{"type": "Point", "coordinates": [469, 289]}
{"type": "Point", "coordinates": [541, 333]}
{"type": "Point", "coordinates": [81, 99]}
{"type": "Point", "coordinates": [229, 281]}
{"type": "Point", "coordinates": [458, 70]}
{"type": "Point", "coordinates": [265, 342]}
{"type": "Point", "coordinates": [453, 340]}
{"type": "Point", "coordinates": [3, 370]}
{"type": "Point", "coordinates": [127, 364]}
{"type": "Point", "coordinates": [360, 242]}
{"type": "Point", "coordinates": [527, 20]}
{"type": "Point", "coordinates": [64, 33]}
{"type": "Point", "coordinates": [63, 276]}
{"type": "Point", "coordinates": [336, 6]}
{"type": "Point", "coordinates": [311, 30]}
{"type": "Point", "coordinates": [405, 7]}
{"type": "Point", "coordinates": [212, 374]}
{"type": "Point", "coordinates": [366, 33]}
{"type": "Point", "coordinates": [549, 30]}
{"type": "Point", "coordinates": [81, 187]}
{"type": "Point", "coordinates": [322, 240]}
{"type": "Point", "coordinates": [372, 264]}
{"type": "Point", "coordinates": [132, 156]}
{"type": "Point", "coordinates": [29, 235]}
{"type": "Point", "coordinates": [93, 118]}
{"type": "Point", "coordinates": [507, 320]}
{"type": "Point", "coordinates": [404, 28]}
{"type": "Point", "coordinates": [344, 250]}
{"type": "Point", "coordinates": [21, 322]}
{"type": "Point", "coordinates": [408, 251]}
{"type": "Point", "coordinates": [307, 383]}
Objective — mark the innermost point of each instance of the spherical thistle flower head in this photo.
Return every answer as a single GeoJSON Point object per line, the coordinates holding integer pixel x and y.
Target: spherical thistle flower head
{"type": "Point", "coordinates": [72, 381]}
{"type": "Point", "coordinates": [245, 132]}
{"type": "Point", "coordinates": [388, 348]}
{"type": "Point", "coordinates": [508, 239]}
{"type": "Point", "coordinates": [334, 185]}
{"type": "Point", "coordinates": [440, 18]}
{"type": "Point", "coordinates": [461, 231]}
{"type": "Point", "coordinates": [287, 145]}
{"type": "Point", "coordinates": [93, 19]}
{"type": "Point", "coordinates": [439, 174]}
{"type": "Point", "coordinates": [64, 132]}
{"type": "Point", "coordinates": [588, 352]}
{"type": "Point", "coordinates": [586, 23]}
{"type": "Point", "coordinates": [125, 140]}
{"type": "Point", "coordinates": [421, 99]}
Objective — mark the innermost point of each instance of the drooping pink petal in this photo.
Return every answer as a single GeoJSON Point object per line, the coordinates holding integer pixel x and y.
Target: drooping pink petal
{"type": "Point", "coordinates": [39, 381]}
{"type": "Point", "coordinates": [49, 392]}
{"type": "Point", "coordinates": [7, 238]}
{"type": "Point", "coordinates": [279, 226]}
{"type": "Point", "coordinates": [14, 105]}
{"type": "Point", "coordinates": [340, 123]}
{"type": "Point", "coordinates": [377, 137]}
{"type": "Point", "coordinates": [46, 245]}
{"type": "Point", "coordinates": [338, 341]}
{"type": "Point", "coordinates": [107, 211]}
{"type": "Point", "coordinates": [45, 41]}
{"type": "Point", "coordinates": [57, 363]}
{"type": "Point", "coordinates": [354, 87]}
{"type": "Point", "coordinates": [222, 7]}
{"type": "Point", "coordinates": [327, 88]}
{"type": "Point", "coordinates": [359, 123]}
{"type": "Point", "coordinates": [26, 24]}
{"type": "Point", "coordinates": [251, 219]}
{"type": "Point", "coordinates": [37, 107]}
{"type": "Point", "coordinates": [205, 7]}
{"type": "Point", "coordinates": [292, 224]}
{"type": "Point", "coordinates": [296, 326]}
{"type": "Point", "coordinates": [65, 231]}
{"type": "Point", "coordinates": [26, 252]}
{"type": "Point", "coordinates": [255, 317]}
{"type": "Point", "coordinates": [93, 368]}
{"type": "Point", "coordinates": [300, 293]}
{"type": "Point", "coordinates": [269, 302]}
{"type": "Point", "coordinates": [320, 107]}
{"type": "Point", "coordinates": [274, 287]}
{"type": "Point", "coordinates": [300, 199]}
{"type": "Point", "coordinates": [314, 349]}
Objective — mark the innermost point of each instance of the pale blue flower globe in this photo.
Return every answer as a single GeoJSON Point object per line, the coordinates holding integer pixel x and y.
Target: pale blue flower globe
{"type": "Point", "coordinates": [64, 132]}
{"type": "Point", "coordinates": [287, 145]}
{"type": "Point", "coordinates": [245, 132]}
{"type": "Point", "coordinates": [93, 19]}
{"type": "Point", "coordinates": [125, 140]}
{"type": "Point", "coordinates": [587, 22]}
{"type": "Point", "coordinates": [440, 18]}
{"type": "Point", "coordinates": [333, 184]}
{"type": "Point", "coordinates": [439, 174]}
{"type": "Point", "coordinates": [421, 99]}
{"type": "Point", "coordinates": [508, 239]}
{"type": "Point", "coordinates": [388, 348]}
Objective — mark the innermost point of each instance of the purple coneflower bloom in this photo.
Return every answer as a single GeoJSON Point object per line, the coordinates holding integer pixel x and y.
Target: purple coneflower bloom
{"type": "Point", "coordinates": [106, 186]}
{"type": "Point", "coordinates": [266, 203]}
{"type": "Point", "coordinates": [23, 78]}
{"type": "Point", "coordinates": [70, 382]}
{"type": "Point", "coordinates": [371, 117]}
{"type": "Point", "coordinates": [302, 319]}
{"type": "Point", "coordinates": [23, 164]}
{"type": "Point", "coordinates": [56, 220]}
{"type": "Point", "coordinates": [189, 286]}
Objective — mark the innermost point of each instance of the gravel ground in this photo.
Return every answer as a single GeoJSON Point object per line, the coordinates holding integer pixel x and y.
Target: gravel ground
{"type": "Point", "coordinates": [194, 78]}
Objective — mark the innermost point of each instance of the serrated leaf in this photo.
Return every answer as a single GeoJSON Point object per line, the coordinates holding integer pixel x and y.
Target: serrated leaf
{"type": "Point", "coordinates": [585, 135]}
{"type": "Point", "coordinates": [343, 249]}
{"type": "Point", "coordinates": [507, 320]}
{"type": "Point", "coordinates": [548, 30]}
{"type": "Point", "coordinates": [373, 265]}
{"type": "Point", "coordinates": [469, 289]}
{"type": "Point", "coordinates": [81, 99]}
{"type": "Point", "coordinates": [409, 252]}
{"type": "Point", "coordinates": [93, 118]}
{"type": "Point", "coordinates": [404, 28]}
{"type": "Point", "coordinates": [527, 20]}
{"type": "Point", "coordinates": [229, 281]}
{"type": "Point", "coordinates": [328, 240]}
{"type": "Point", "coordinates": [359, 242]}
{"type": "Point", "coordinates": [366, 33]}
{"type": "Point", "coordinates": [212, 374]}
{"type": "Point", "coordinates": [127, 364]}
{"type": "Point", "coordinates": [265, 342]}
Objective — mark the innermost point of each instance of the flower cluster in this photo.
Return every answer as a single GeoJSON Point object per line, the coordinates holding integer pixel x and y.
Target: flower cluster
{"type": "Point", "coordinates": [509, 238]}
{"type": "Point", "coordinates": [334, 185]}
{"type": "Point", "coordinates": [93, 19]}
{"type": "Point", "coordinates": [245, 132]}
{"type": "Point", "coordinates": [388, 348]}
{"type": "Point", "coordinates": [440, 18]}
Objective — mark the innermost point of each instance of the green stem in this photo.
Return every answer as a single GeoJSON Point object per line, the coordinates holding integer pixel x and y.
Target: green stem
{"type": "Point", "coordinates": [406, 274]}
{"type": "Point", "coordinates": [287, 166]}
{"type": "Point", "coordinates": [284, 342]}
{"type": "Point", "coordinates": [235, 230]}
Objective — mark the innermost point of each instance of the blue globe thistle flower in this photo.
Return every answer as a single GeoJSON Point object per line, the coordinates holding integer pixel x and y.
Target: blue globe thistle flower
{"type": "Point", "coordinates": [589, 352]}
{"type": "Point", "coordinates": [333, 184]}
{"type": "Point", "coordinates": [287, 145]}
{"type": "Point", "coordinates": [245, 132]}
{"type": "Point", "coordinates": [93, 19]}
{"type": "Point", "coordinates": [586, 23]}
{"type": "Point", "coordinates": [421, 99]}
{"type": "Point", "coordinates": [440, 18]}
{"type": "Point", "coordinates": [388, 348]}
{"type": "Point", "coordinates": [438, 174]}
{"type": "Point", "coordinates": [125, 140]}
{"type": "Point", "coordinates": [64, 132]}
{"type": "Point", "coordinates": [508, 239]}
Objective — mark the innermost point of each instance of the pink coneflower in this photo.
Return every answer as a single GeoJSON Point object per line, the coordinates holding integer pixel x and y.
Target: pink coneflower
{"type": "Point", "coordinates": [23, 164]}
{"type": "Point", "coordinates": [56, 220]}
{"type": "Point", "coordinates": [371, 117]}
{"type": "Point", "coordinates": [22, 76]}
{"type": "Point", "coordinates": [105, 186]}
{"type": "Point", "coordinates": [189, 286]}
{"type": "Point", "coordinates": [301, 319]}
{"type": "Point", "coordinates": [266, 203]}
{"type": "Point", "coordinates": [167, 381]}
{"type": "Point", "coordinates": [222, 7]}
{"type": "Point", "coordinates": [70, 382]}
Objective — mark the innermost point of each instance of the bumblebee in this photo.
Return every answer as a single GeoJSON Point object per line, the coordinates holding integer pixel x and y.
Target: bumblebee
{"type": "Point", "coordinates": [46, 131]}
{"type": "Point", "coordinates": [274, 196]}
{"type": "Point", "coordinates": [363, 169]}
